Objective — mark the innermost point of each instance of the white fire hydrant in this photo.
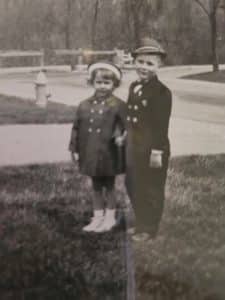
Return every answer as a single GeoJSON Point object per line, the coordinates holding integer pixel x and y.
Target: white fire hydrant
{"type": "Point", "coordinates": [41, 89]}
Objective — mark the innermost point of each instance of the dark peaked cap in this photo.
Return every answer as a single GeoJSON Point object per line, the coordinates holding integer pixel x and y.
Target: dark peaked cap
{"type": "Point", "coordinates": [149, 46]}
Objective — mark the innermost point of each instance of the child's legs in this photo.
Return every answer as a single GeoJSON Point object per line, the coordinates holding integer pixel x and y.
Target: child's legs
{"type": "Point", "coordinates": [98, 206]}
{"type": "Point", "coordinates": [109, 183]}
{"type": "Point", "coordinates": [110, 212]}
{"type": "Point", "coordinates": [98, 201]}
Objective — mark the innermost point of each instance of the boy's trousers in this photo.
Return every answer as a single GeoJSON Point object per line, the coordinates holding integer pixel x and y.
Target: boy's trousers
{"type": "Point", "coordinates": [146, 189]}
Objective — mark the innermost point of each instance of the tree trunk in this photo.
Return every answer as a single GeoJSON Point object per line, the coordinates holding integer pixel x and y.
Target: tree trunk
{"type": "Point", "coordinates": [68, 24]}
{"type": "Point", "coordinates": [137, 37]}
{"type": "Point", "coordinates": [136, 23]}
{"type": "Point", "coordinates": [127, 22]}
{"type": "Point", "coordinates": [94, 24]}
{"type": "Point", "coordinates": [67, 37]}
{"type": "Point", "coordinates": [213, 24]}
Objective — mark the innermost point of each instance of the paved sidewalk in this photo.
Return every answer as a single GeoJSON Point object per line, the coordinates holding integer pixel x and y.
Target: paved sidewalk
{"type": "Point", "coordinates": [26, 144]}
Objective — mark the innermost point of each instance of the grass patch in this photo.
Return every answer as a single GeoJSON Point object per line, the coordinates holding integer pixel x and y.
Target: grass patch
{"type": "Point", "coordinates": [208, 76]}
{"type": "Point", "coordinates": [45, 255]}
{"type": "Point", "coordinates": [14, 110]}
{"type": "Point", "coordinates": [43, 252]}
{"type": "Point", "coordinates": [188, 257]}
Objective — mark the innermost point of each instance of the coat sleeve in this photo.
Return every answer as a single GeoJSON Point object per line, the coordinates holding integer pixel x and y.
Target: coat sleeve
{"type": "Point", "coordinates": [123, 111]}
{"type": "Point", "coordinates": [121, 117]}
{"type": "Point", "coordinates": [161, 117]}
{"type": "Point", "coordinates": [130, 92]}
{"type": "Point", "coordinates": [73, 144]}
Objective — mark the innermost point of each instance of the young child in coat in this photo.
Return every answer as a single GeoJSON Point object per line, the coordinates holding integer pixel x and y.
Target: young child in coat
{"type": "Point", "coordinates": [148, 147]}
{"type": "Point", "coordinates": [97, 129]}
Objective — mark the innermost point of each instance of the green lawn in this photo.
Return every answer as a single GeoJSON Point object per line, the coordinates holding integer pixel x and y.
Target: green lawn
{"type": "Point", "coordinates": [42, 211]}
{"type": "Point", "coordinates": [14, 110]}
{"type": "Point", "coordinates": [209, 76]}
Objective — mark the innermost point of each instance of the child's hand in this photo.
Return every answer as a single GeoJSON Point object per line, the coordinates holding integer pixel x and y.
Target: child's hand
{"type": "Point", "coordinates": [155, 160]}
{"type": "Point", "coordinates": [119, 141]}
{"type": "Point", "coordinates": [74, 156]}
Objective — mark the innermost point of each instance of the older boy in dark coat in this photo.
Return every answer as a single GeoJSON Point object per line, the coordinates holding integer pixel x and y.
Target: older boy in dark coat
{"type": "Point", "coordinates": [148, 147]}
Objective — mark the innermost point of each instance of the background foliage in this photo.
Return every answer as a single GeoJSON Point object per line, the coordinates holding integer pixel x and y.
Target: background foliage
{"type": "Point", "coordinates": [181, 26]}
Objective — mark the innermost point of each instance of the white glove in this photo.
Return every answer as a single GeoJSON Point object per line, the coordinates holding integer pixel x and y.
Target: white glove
{"type": "Point", "coordinates": [155, 160]}
{"type": "Point", "coordinates": [74, 156]}
{"type": "Point", "coordinates": [119, 140]}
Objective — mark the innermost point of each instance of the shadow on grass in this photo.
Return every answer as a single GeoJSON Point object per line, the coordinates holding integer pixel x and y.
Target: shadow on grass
{"type": "Point", "coordinates": [14, 110]}
{"type": "Point", "coordinates": [208, 76]}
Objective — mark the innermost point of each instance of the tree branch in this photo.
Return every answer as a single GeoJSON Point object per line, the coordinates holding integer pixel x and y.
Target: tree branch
{"type": "Point", "coordinates": [217, 2]}
{"type": "Point", "coordinates": [139, 4]}
{"type": "Point", "coordinates": [203, 7]}
{"type": "Point", "coordinates": [215, 6]}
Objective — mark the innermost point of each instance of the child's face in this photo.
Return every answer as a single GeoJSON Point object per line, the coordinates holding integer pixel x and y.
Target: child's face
{"type": "Point", "coordinates": [103, 84]}
{"type": "Point", "coordinates": [146, 66]}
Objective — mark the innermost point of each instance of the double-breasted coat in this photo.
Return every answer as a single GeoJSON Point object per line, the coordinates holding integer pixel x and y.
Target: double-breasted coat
{"type": "Point", "coordinates": [148, 114]}
{"type": "Point", "coordinates": [96, 124]}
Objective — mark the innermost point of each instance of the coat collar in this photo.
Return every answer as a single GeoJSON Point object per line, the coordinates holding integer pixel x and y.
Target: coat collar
{"type": "Point", "coordinates": [101, 100]}
{"type": "Point", "coordinates": [150, 82]}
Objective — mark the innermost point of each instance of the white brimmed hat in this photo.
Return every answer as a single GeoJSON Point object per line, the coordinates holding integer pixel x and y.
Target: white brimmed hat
{"type": "Point", "coordinates": [107, 66]}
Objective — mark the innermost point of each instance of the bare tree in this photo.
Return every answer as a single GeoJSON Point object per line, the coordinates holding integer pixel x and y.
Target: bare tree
{"type": "Point", "coordinates": [135, 8]}
{"type": "Point", "coordinates": [140, 14]}
{"type": "Point", "coordinates": [210, 8]}
{"type": "Point", "coordinates": [95, 21]}
{"type": "Point", "coordinates": [67, 26]}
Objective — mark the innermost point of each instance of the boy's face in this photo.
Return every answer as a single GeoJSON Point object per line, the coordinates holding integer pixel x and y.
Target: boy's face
{"type": "Point", "coordinates": [103, 85]}
{"type": "Point", "coordinates": [146, 66]}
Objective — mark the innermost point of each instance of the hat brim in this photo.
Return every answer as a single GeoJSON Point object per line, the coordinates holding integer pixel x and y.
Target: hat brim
{"type": "Point", "coordinates": [107, 66]}
{"type": "Point", "coordinates": [149, 50]}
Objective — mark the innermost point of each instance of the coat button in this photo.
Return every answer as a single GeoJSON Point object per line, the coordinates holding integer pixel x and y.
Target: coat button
{"type": "Point", "coordinates": [90, 129]}
{"type": "Point", "coordinates": [135, 107]}
{"type": "Point", "coordinates": [144, 102]}
{"type": "Point", "coordinates": [135, 120]}
{"type": "Point", "coordinates": [98, 130]}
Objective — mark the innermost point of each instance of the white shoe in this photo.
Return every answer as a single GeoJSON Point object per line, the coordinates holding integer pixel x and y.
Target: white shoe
{"type": "Point", "coordinates": [96, 221]}
{"type": "Point", "coordinates": [141, 237]}
{"type": "Point", "coordinates": [131, 231]}
{"type": "Point", "coordinates": [109, 221]}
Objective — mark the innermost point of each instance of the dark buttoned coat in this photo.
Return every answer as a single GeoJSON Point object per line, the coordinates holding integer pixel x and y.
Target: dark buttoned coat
{"type": "Point", "coordinates": [148, 114]}
{"type": "Point", "coordinates": [96, 124]}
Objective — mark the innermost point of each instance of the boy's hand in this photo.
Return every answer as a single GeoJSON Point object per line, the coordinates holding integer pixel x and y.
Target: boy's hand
{"type": "Point", "coordinates": [155, 160]}
{"type": "Point", "coordinates": [74, 156]}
